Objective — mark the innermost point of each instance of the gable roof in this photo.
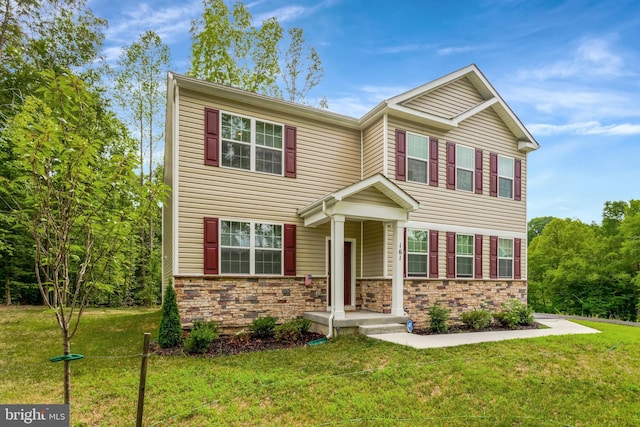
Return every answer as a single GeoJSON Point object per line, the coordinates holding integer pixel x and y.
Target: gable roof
{"type": "Point", "coordinates": [400, 105]}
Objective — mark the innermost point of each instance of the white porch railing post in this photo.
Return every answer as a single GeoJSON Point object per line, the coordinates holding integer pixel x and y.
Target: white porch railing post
{"type": "Point", "coordinates": [337, 265]}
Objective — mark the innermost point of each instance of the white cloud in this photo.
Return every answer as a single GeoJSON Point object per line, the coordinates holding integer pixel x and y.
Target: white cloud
{"type": "Point", "coordinates": [453, 50]}
{"type": "Point", "coordinates": [591, 57]}
{"type": "Point", "coordinates": [585, 128]}
{"type": "Point", "coordinates": [290, 13]}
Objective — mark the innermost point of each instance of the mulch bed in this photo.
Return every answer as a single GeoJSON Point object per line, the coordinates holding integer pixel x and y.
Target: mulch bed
{"type": "Point", "coordinates": [225, 345]}
{"type": "Point", "coordinates": [465, 329]}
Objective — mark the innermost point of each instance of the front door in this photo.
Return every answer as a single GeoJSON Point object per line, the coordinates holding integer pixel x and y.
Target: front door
{"type": "Point", "coordinates": [347, 273]}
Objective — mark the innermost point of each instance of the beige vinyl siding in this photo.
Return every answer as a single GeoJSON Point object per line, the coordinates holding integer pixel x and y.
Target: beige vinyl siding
{"type": "Point", "coordinates": [373, 149]}
{"type": "Point", "coordinates": [373, 251]}
{"type": "Point", "coordinates": [328, 158]}
{"type": "Point", "coordinates": [370, 196]}
{"type": "Point", "coordinates": [440, 205]}
{"type": "Point", "coordinates": [448, 101]}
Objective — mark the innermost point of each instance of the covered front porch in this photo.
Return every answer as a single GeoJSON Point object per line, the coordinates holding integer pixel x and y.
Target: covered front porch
{"type": "Point", "coordinates": [373, 199]}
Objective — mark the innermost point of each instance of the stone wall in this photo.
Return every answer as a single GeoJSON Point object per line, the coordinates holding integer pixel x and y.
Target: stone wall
{"type": "Point", "coordinates": [456, 295]}
{"type": "Point", "coordinates": [234, 302]}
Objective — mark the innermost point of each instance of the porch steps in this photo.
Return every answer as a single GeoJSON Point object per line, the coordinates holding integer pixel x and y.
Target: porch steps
{"type": "Point", "coordinates": [387, 328]}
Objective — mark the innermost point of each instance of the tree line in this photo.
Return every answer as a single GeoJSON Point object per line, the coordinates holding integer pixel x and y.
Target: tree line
{"type": "Point", "coordinates": [587, 269]}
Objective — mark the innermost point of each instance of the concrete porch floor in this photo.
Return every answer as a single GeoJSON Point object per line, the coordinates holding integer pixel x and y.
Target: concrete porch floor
{"type": "Point", "coordinates": [356, 322]}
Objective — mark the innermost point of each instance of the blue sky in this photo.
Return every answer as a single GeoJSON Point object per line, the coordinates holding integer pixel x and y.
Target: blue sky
{"type": "Point", "coordinates": [568, 69]}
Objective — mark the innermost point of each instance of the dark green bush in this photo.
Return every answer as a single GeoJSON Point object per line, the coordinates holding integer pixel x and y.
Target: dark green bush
{"type": "Point", "coordinates": [514, 313]}
{"type": "Point", "coordinates": [262, 327]}
{"type": "Point", "coordinates": [476, 319]}
{"type": "Point", "coordinates": [439, 316]}
{"type": "Point", "coordinates": [201, 336]}
{"type": "Point", "coordinates": [170, 330]}
{"type": "Point", "coordinates": [292, 330]}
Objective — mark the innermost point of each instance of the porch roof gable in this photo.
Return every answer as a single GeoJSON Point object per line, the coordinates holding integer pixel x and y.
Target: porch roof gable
{"type": "Point", "coordinates": [399, 205]}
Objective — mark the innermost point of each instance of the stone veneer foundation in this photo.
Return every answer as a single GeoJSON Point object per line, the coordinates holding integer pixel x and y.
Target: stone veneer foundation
{"type": "Point", "coordinates": [234, 302]}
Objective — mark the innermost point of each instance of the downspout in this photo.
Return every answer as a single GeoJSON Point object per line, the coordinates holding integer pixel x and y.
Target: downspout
{"type": "Point", "coordinates": [333, 293]}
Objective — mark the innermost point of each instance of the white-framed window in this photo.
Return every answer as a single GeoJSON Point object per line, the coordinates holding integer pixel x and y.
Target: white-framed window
{"type": "Point", "coordinates": [505, 177]}
{"type": "Point", "coordinates": [251, 144]}
{"type": "Point", "coordinates": [465, 167]}
{"type": "Point", "coordinates": [505, 258]}
{"type": "Point", "coordinates": [417, 158]}
{"type": "Point", "coordinates": [248, 247]}
{"type": "Point", "coordinates": [417, 252]}
{"type": "Point", "coordinates": [464, 255]}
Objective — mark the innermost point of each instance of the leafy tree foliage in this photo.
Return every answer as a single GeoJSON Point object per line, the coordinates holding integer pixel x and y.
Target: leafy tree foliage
{"type": "Point", "coordinates": [588, 269]}
{"type": "Point", "coordinates": [303, 67]}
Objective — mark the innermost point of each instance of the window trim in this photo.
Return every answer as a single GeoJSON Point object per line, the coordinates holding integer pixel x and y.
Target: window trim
{"type": "Point", "coordinates": [471, 256]}
{"type": "Point", "coordinates": [252, 143]}
{"type": "Point", "coordinates": [512, 179]}
{"type": "Point", "coordinates": [425, 254]}
{"type": "Point", "coordinates": [252, 248]}
{"type": "Point", "coordinates": [426, 160]}
{"type": "Point", "coordinates": [472, 170]}
{"type": "Point", "coordinates": [512, 258]}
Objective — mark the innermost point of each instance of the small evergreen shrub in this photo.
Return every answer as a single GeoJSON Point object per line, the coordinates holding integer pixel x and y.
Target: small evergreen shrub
{"type": "Point", "coordinates": [263, 327]}
{"type": "Point", "coordinates": [476, 319]}
{"type": "Point", "coordinates": [514, 313]}
{"type": "Point", "coordinates": [439, 316]}
{"type": "Point", "coordinates": [292, 330]}
{"type": "Point", "coordinates": [170, 330]}
{"type": "Point", "coordinates": [201, 336]}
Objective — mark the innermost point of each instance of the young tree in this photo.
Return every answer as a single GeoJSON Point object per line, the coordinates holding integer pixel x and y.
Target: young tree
{"type": "Point", "coordinates": [77, 168]}
{"type": "Point", "coordinates": [226, 48]}
{"type": "Point", "coordinates": [303, 68]}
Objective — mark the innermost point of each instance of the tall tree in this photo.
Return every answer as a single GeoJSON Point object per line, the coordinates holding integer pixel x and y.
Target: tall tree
{"type": "Point", "coordinates": [227, 48]}
{"type": "Point", "coordinates": [77, 165]}
{"type": "Point", "coordinates": [536, 225]}
{"type": "Point", "coordinates": [303, 67]}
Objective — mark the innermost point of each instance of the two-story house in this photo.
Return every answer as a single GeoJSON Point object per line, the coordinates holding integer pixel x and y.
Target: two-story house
{"type": "Point", "coordinates": [281, 209]}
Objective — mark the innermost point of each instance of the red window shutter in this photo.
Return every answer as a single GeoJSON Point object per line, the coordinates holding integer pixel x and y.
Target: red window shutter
{"type": "Point", "coordinates": [517, 266]}
{"type": "Point", "coordinates": [433, 254]}
{"type": "Point", "coordinates": [289, 249]}
{"type": "Point", "coordinates": [211, 246]}
{"type": "Point", "coordinates": [404, 261]}
{"type": "Point", "coordinates": [401, 155]}
{"type": "Point", "coordinates": [433, 162]}
{"type": "Point", "coordinates": [211, 137]}
{"type": "Point", "coordinates": [517, 182]}
{"type": "Point", "coordinates": [493, 174]}
{"type": "Point", "coordinates": [478, 176]}
{"type": "Point", "coordinates": [477, 256]}
{"type": "Point", "coordinates": [290, 146]}
{"type": "Point", "coordinates": [451, 165]}
{"type": "Point", "coordinates": [451, 255]}
{"type": "Point", "coordinates": [493, 257]}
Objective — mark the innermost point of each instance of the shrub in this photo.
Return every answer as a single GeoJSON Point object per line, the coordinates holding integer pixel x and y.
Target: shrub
{"type": "Point", "coordinates": [201, 336]}
{"type": "Point", "coordinates": [292, 330]}
{"type": "Point", "coordinates": [170, 330]}
{"type": "Point", "coordinates": [439, 316]}
{"type": "Point", "coordinates": [514, 313]}
{"type": "Point", "coordinates": [476, 319]}
{"type": "Point", "coordinates": [262, 327]}
{"type": "Point", "coordinates": [240, 337]}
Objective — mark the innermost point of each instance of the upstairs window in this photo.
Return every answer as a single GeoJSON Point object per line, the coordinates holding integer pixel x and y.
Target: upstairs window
{"type": "Point", "coordinates": [505, 258]}
{"type": "Point", "coordinates": [251, 144]}
{"type": "Point", "coordinates": [465, 168]}
{"type": "Point", "coordinates": [417, 158]}
{"type": "Point", "coordinates": [417, 252]}
{"type": "Point", "coordinates": [464, 255]}
{"type": "Point", "coordinates": [505, 177]}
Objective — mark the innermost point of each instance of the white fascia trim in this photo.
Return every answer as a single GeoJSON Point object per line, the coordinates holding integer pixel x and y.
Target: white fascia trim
{"type": "Point", "coordinates": [473, 111]}
{"type": "Point", "coordinates": [439, 122]}
{"type": "Point", "coordinates": [465, 230]}
{"type": "Point", "coordinates": [175, 175]}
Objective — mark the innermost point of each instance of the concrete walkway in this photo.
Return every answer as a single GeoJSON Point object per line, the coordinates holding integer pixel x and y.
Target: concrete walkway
{"type": "Point", "coordinates": [555, 327]}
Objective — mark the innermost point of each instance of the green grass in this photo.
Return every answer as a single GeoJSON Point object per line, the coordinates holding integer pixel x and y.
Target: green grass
{"type": "Point", "coordinates": [577, 380]}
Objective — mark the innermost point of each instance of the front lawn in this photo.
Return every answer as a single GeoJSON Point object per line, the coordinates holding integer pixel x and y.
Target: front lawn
{"type": "Point", "coordinates": [577, 380]}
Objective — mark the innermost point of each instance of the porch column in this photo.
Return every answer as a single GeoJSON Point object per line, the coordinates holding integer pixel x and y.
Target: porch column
{"type": "Point", "coordinates": [397, 266]}
{"type": "Point", "coordinates": [337, 266]}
